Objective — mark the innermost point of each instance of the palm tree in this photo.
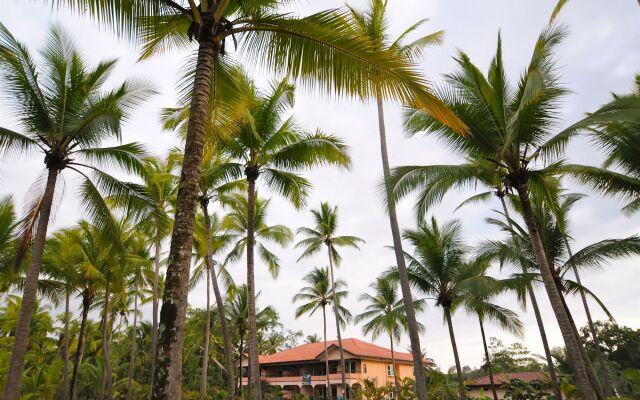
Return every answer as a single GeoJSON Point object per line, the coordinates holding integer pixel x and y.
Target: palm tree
{"type": "Point", "coordinates": [59, 262]}
{"type": "Point", "coordinates": [493, 110]}
{"type": "Point", "coordinates": [67, 116]}
{"type": "Point", "coordinates": [317, 296]}
{"type": "Point", "coordinates": [320, 49]}
{"type": "Point", "coordinates": [385, 314]}
{"type": "Point", "coordinates": [7, 232]}
{"type": "Point", "coordinates": [90, 258]}
{"type": "Point", "coordinates": [160, 188]}
{"type": "Point", "coordinates": [138, 274]}
{"type": "Point", "coordinates": [479, 292]}
{"type": "Point", "coordinates": [209, 239]}
{"type": "Point", "coordinates": [324, 234]}
{"type": "Point", "coordinates": [373, 24]}
{"type": "Point", "coordinates": [313, 338]}
{"type": "Point", "coordinates": [269, 144]}
{"type": "Point", "coordinates": [437, 269]}
{"type": "Point", "coordinates": [561, 260]}
{"type": "Point", "coordinates": [615, 132]}
{"type": "Point", "coordinates": [238, 315]}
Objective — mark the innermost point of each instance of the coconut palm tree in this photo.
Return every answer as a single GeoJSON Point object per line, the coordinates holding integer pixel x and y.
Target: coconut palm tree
{"type": "Point", "coordinates": [513, 129]}
{"type": "Point", "coordinates": [437, 269]}
{"type": "Point", "coordinates": [385, 314]}
{"type": "Point", "coordinates": [238, 315]}
{"type": "Point", "coordinates": [59, 262]}
{"type": "Point", "coordinates": [373, 24]}
{"type": "Point", "coordinates": [270, 144]}
{"type": "Point", "coordinates": [562, 261]}
{"type": "Point", "coordinates": [209, 240]}
{"type": "Point", "coordinates": [66, 114]}
{"type": "Point", "coordinates": [160, 188]}
{"type": "Point", "coordinates": [615, 132]}
{"type": "Point", "coordinates": [324, 234]}
{"type": "Point", "coordinates": [321, 49]}
{"type": "Point", "coordinates": [317, 296]}
{"type": "Point", "coordinates": [480, 291]}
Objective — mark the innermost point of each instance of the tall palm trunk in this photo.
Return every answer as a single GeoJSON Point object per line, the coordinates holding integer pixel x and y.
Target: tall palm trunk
{"type": "Point", "coordinates": [326, 352]}
{"type": "Point", "coordinates": [488, 358]}
{"type": "Point", "coordinates": [65, 367]}
{"type": "Point", "coordinates": [254, 366]}
{"type": "Point", "coordinates": [226, 338]}
{"type": "Point", "coordinates": [396, 380]}
{"type": "Point", "coordinates": [545, 343]}
{"type": "Point", "coordinates": [571, 342]}
{"type": "Point", "coordinates": [338, 328]}
{"type": "Point", "coordinates": [536, 311]}
{"type": "Point", "coordinates": [87, 299]}
{"type": "Point", "coordinates": [23, 328]}
{"type": "Point", "coordinates": [107, 381]}
{"type": "Point", "coordinates": [154, 316]}
{"type": "Point", "coordinates": [207, 338]}
{"type": "Point", "coordinates": [593, 377]}
{"type": "Point", "coordinates": [452, 336]}
{"type": "Point", "coordinates": [592, 329]}
{"type": "Point", "coordinates": [132, 356]}
{"type": "Point", "coordinates": [241, 350]}
{"type": "Point", "coordinates": [168, 374]}
{"type": "Point", "coordinates": [414, 337]}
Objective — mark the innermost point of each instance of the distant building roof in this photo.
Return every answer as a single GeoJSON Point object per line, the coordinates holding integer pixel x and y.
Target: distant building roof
{"type": "Point", "coordinates": [504, 377]}
{"type": "Point", "coordinates": [312, 351]}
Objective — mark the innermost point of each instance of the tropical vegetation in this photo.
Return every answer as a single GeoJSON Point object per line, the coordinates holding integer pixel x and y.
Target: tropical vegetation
{"type": "Point", "coordinates": [117, 304]}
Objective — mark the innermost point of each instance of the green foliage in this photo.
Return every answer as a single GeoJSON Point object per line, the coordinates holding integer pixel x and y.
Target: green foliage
{"type": "Point", "coordinates": [516, 389]}
{"type": "Point", "coordinates": [513, 358]}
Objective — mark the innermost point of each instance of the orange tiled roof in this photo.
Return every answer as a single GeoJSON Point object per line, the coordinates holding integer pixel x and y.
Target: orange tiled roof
{"type": "Point", "coordinates": [311, 351]}
{"type": "Point", "coordinates": [504, 377]}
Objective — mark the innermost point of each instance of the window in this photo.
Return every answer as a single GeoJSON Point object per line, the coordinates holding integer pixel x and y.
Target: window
{"type": "Point", "coordinates": [350, 367]}
{"type": "Point", "coordinates": [389, 370]}
{"type": "Point", "coordinates": [364, 368]}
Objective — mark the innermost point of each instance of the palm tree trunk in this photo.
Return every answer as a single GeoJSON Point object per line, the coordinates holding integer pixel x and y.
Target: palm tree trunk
{"type": "Point", "coordinates": [414, 336]}
{"type": "Point", "coordinates": [571, 343]}
{"type": "Point", "coordinates": [254, 379]}
{"type": "Point", "coordinates": [395, 371]}
{"type": "Point", "coordinates": [87, 299]}
{"type": "Point", "coordinates": [107, 379]}
{"type": "Point", "coordinates": [207, 337]}
{"type": "Point", "coordinates": [593, 377]}
{"type": "Point", "coordinates": [488, 358]}
{"type": "Point", "coordinates": [326, 352]}
{"type": "Point", "coordinates": [154, 316]}
{"type": "Point", "coordinates": [452, 336]}
{"type": "Point", "coordinates": [545, 343]}
{"type": "Point", "coordinates": [23, 328]}
{"type": "Point", "coordinates": [132, 356]}
{"type": "Point", "coordinates": [65, 368]}
{"type": "Point", "coordinates": [226, 338]}
{"type": "Point", "coordinates": [592, 328]}
{"type": "Point", "coordinates": [168, 374]}
{"type": "Point", "coordinates": [338, 328]}
{"type": "Point", "coordinates": [536, 311]}
{"type": "Point", "coordinates": [241, 349]}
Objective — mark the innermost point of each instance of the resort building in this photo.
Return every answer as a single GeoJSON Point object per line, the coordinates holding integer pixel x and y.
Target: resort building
{"type": "Point", "coordinates": [302, 369]}
{"type": "Point", "coordinates": [482, 385]}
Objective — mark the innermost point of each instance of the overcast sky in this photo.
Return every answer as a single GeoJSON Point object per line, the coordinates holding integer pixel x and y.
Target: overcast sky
{"type": "Point", "coordinates": [601, 55]}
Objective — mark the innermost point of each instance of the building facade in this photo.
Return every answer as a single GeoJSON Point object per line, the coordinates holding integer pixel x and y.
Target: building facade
{"type": "Point", "coordinates": [302, 369]}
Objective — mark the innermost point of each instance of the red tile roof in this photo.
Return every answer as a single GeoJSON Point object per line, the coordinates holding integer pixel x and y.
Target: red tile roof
{"type": "Point", "coordinates": [505, 377]}
{"type": "Point", "coordinates": [312, 351]}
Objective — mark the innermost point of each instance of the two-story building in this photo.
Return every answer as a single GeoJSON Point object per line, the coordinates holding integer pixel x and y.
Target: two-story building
{"type": "Point", "coordinates": [302, 369]}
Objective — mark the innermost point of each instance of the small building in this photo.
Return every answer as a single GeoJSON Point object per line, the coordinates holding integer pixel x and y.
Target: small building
{"type": "Point", "coordinates": [302, 369]}
{"type": "Point", "coordinates": [482, 384]}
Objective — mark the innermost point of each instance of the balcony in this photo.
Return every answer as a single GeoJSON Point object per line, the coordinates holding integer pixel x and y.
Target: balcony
{"type": "Point", "coordinates": [334, 379]}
